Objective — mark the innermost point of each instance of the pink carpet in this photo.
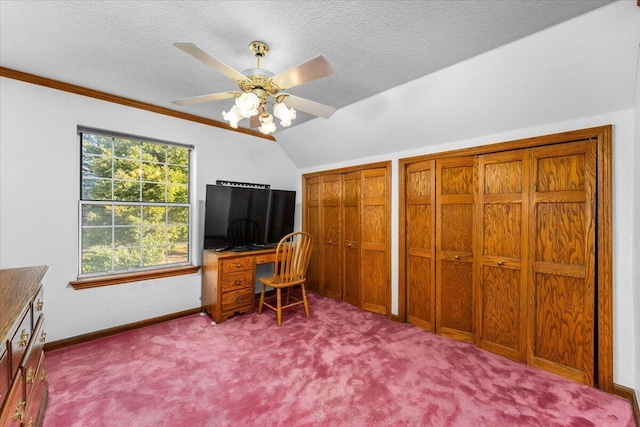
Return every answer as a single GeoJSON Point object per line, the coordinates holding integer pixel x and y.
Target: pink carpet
{"type": "Point", "coordinates": [340, 367]}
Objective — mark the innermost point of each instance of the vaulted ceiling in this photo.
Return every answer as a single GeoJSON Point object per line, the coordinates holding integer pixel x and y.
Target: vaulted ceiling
{"type": "Point", "coordinates": [125, 47]}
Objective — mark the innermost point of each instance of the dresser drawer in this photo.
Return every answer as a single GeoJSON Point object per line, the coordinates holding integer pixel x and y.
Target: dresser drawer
{"type": "Point", "coordinates": [37, 308]}
{"type": "Point", "coordinates": [34, 411]}
{"type": "Point", "coordinates": [239, 264]}
{"type": "Point", "coordinates": [4, 372]}
{"type": "Point", "coordinates": [19, 342]}
{"type": "Point", "coordinates": [233, 300]}
{"type": "Point", "coordinates": [13, 410]}
{"type": "Point", "coordinates": [236, 281]}
{"type": "Point", "coordinates": [33, 356]}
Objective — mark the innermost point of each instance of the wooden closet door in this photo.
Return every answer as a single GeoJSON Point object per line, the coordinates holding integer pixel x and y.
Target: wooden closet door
{"type": "Point", "coordinates": [331, 278]}
{"type": "Point", "coordinates": [454, 247]}
{"type": "Point", "coordinates": [374, 279]}
{"type": "Point", "coordinates": [420, 241]}
{"type": "Point", "coordinates": [502, 213]}
{"type": "Point", "coordinates": [351, 237]}
{"type": "Point", "coordinates": [562, 254]}
{"type": "Point", "coordinates": [312, 226]}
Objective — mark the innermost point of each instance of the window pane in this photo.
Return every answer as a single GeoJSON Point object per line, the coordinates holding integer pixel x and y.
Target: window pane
{"type": "Point", "coordinates": [94, 237]}
{"type": "Point", "coordinates": [127, 215]}
{"type": "Point", "coordinates": [178, 175]}
{"type": "Point", "coordinates": [97, 144]}
{"type": "Point", "coordinates": [154, 215]}
{"type": "Point", "coordinates": [177, 193]}
{"type": "Point", "coordinates": [96, 215]}
{"type": "Point", "coordinates": [155, 172]}
{"type": "Point", "coordinates": [127, 148]}
{"type": "Point", "coordinates": [178, 253]}
{"type": "Point", "coordinates": [177, 233]}
{"type": "Point", "coordinates": [126, 191]}
{"type": "Point", "coordinates": [178, 156]}
{"type": "Point", "coordinates": [96, 189]}
{"type": "Point", "coordinates": [153, 255]}
{"type": "Point", "coordinates": [178, 215]}
{"type": "Point", "coordinates": [126, 169]}
{"type": "Point", "coordinates": [96, 167]}
{"type": "Point", "coordinates": [154, 235]}
{"type": "Point", "coordinates": [126, 236]}
{"type": "Point", "coordinates": [126, 258]}
{"type": "Point", "coordinates": [95, 262]}
{"type": "Point", "coordinates": [153, 192]}
{"type": "Point", "coordinates": [154, 152]}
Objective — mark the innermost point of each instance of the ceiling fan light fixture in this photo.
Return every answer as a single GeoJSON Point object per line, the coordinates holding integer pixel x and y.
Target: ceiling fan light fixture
{"type": "Point", "coordinates": [233, 116]}
{"type": "Point", "coordinates": [248, 104]}
{"type": "Point", "coordinates": [285, 114]}
{"type": "Point", "coordinates": [266, 120]}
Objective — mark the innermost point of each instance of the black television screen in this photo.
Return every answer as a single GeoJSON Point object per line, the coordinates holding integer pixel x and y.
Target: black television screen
{"type": "Point", "coordinates": [245, 218]}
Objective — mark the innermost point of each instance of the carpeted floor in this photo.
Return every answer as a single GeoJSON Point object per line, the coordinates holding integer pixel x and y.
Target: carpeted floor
{"type": "Point", "coordinates": [340, 367]}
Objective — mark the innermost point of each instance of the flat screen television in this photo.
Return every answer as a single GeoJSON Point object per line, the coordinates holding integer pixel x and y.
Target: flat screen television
{"type": "Point", "coordinates": [244, 218]}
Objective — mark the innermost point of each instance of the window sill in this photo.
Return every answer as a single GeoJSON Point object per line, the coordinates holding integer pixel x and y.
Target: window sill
{"type": "Point", "coordinates": [116, 279]}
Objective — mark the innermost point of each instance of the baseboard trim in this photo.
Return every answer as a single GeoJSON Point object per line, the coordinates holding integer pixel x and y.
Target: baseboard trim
{"type": "Point", "coordinates": [56, 345]}
{"type": "Point", "coordinates": [629, 394]}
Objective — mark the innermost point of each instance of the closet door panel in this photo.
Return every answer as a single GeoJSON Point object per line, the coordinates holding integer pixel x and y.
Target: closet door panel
{"type": "Point", "coordinates": [455, 198]}
{"type": "Point", "coordinates": [331, 283]}
{"type": "Point", "coordinates": [502, 233]}
{"type": "Point", "coordinates": [312, 226]}
{"type": "Point", "coordinates": [374, 277]}
{"type": "Point", "coordinates": [351, 234]}
{"type": "Point", "coordinates": [420, 244]}
{"type": "Point", "coordinates": [562, 236]}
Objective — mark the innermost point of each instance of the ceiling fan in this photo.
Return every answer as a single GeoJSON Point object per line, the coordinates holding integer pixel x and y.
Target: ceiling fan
{"type": "Point", "coordinates": [258, 85]}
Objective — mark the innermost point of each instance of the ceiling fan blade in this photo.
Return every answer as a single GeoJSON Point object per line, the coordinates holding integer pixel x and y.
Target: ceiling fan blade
{"type": "Point", "coordinates": [303, 73]}
{"type": "Point", "coordinates": [214, 63]}
{"type": "Point", "coordinates": [308, 106]}
{"type": "Point", "coordinates": [205, 98]}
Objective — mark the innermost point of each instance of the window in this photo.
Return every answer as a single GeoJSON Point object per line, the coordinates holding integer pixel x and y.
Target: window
{"type": "Point", "coordinates": [134, 204]}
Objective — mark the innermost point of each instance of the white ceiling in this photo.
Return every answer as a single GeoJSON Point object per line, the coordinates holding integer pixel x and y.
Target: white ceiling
{"type": "Point", "coordinates": [125, 47]}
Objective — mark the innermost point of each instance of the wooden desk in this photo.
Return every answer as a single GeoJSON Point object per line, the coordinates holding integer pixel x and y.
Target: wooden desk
{"type": "Point", "coordinates": [228, 281]}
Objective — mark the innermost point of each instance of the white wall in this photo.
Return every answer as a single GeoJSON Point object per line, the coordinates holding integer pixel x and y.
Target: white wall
{"type": "Point", "coordinates": [576, 75]}
{"type": "Point", "coordinates": [39, 191]}
{"type": "Point", "coordinates": [636, 224]}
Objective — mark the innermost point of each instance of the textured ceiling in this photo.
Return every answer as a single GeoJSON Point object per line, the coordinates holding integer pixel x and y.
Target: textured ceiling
{"type": "Point", "coordinates": [125, 47]}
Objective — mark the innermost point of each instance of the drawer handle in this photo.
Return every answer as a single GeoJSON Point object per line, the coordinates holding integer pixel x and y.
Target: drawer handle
{"type": "Point", "coordinates": [237, 282]}
{"type": "Point", "coordinates": [19, 410]}
{"type": "Point", "coordinates": [24, 338]}
{"type": "Point", "coordinates": [31, 376]}
{"type": "Point", "coordinates": [238, 299]}
{"type": "Point", "coordinates": [43, 377]}
{"type": "Point", "coordinates": [500, 263]}
{"type": "Point", "coordinates": [39, 305]}
{"type": "Point", "coordinates": [238, 265]}
{"type": "Point", "coordinates": [457, 257]}
{"type": "Point", "coordinates": [43, 336]}
{"type": "Point", "coordinates": [261, 260]}
{"type": "Point", "coordinates": [32, 422]}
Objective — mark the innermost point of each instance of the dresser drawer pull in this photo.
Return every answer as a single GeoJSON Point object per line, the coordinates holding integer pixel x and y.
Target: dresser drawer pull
{"type": "Point", "coordinates": [237, 282]}
{"type": "Point", "coordinates": [239, 265]}
{"type": "Point", "coordinates": [43, 377]}
{"type": "Point", "coordinates": [238, 299]}
{"type": "Point", "coordinates": [24, 338]}
{"type": "Point", "coordinates": [31, 423]}
{"type": "Point", "coordinates": [31, 376]}
{"type": "Point", "coordinates": [19, 410]}
{"type": "Point", "coordinates": [43, 336]}
{"type": "Point", "coordinates": [39, 305]}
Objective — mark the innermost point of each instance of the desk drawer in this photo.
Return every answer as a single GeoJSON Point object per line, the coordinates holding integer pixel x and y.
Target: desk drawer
{"type": "Point", "coordinates": [265, 259]}
{"type": "Point", "coordinates": [236, 281]}
{"type": "Point", "coordinates": [239, 264]}
{"type": "Point", "coordinates": [241, 298]}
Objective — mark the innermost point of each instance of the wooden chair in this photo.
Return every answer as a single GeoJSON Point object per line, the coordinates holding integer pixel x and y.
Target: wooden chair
{"type": "Point", "coordinates": [290, 269]}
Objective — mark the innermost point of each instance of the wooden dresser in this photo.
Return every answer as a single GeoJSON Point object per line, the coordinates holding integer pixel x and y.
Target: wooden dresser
{"type": "Point", "coordinates": [228, 281]}
{"type": "Point", "coordinates": [23, 382]}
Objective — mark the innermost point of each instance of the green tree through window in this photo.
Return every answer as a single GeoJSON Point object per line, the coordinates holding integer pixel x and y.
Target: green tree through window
{"type": "Point", "coordinates": [134, 204]}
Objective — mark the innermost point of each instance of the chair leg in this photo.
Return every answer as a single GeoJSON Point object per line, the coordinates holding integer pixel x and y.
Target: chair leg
{"type": "Point", "coordinates": [279, 306]}
{"type": "Point", "coordinates": [261, 299]}
{"type": "Point", "coordinates": [288, 294]}
{"type": "Point", "coordinates": [304, 299]}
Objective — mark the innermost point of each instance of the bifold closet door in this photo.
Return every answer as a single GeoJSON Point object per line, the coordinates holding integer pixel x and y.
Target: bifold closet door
{"type": "Point", "coordinates": [562, 260]}
{"type": "Point", "coordinates": [331, 229]}
{"type": "Point", "coordinates": [502, 253]}
{"type": "Point", "coordinates": [312, 226]}
{"type": "Point", "coordinates": [455, 199]}
{"type": "Point", "coordinates": [351, 237]}
{"type": "Point", "coordinates": [420, 244]}
{"type": "Point", "coordinates": [374, 205]}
